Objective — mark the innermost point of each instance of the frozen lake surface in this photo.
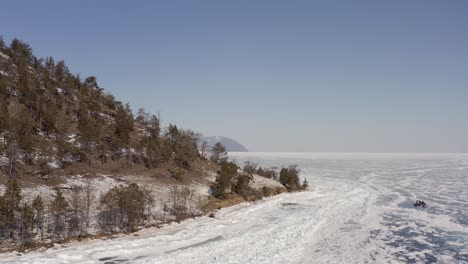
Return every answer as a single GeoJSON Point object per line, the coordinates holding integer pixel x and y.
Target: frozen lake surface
{"type": "Point", "coordinates": [359, 210]}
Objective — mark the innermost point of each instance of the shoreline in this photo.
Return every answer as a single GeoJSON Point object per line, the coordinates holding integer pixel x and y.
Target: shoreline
{"type": "Point", "coordinates": [235, 200]}
{"type": "Point", "coordinates": [201, 204]}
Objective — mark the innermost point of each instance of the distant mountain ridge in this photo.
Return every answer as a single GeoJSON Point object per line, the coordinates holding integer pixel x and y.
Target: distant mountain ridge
{"type": "Point", "coordinates": [230, 144]}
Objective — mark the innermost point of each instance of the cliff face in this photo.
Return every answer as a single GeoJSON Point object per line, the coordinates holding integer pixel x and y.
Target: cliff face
{"type": "Point", "coordinates": [230, 144]}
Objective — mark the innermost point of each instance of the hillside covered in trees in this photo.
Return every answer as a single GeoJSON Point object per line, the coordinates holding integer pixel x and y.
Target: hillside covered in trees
{"type": "Point", "coordinates": [52, 118]}
{"type": "Point", "coordinates": [75, 162]}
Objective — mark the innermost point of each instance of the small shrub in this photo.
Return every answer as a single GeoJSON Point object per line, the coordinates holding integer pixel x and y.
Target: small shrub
{"type": "Point", "coordinates": [279, 190]}
{"type": "Point", "coordinates": [257, 194]}
{"type": "Point", "coordinates": [305, 184]}
{"type": "Point", "coordinates": [226, 174]}
{"type": "Point", "coordinates": [250, 167]}
{"type": "Point", "coordinates": [269, 173]}
{"type": "Point", "coordinates": [124, 208]}
{"type": "Point", "coordinates": [289, 178]}
{"type": "Point", "coordinates": [267, 191]}
{"type": "Point", "coordinates": [241, 183]}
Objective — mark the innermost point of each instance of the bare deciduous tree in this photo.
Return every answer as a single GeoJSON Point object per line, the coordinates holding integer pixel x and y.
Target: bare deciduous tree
{"type": "Point", "coordinates": [89, 199]}
{"type": "Point", "coordinates": [77, 207]}
{"type": "Point", "coordinates": [181, 199]}
{"type": "Point", "coordinates": [13, 152]}
{"type": "Point", "coordinates": [204, 148]}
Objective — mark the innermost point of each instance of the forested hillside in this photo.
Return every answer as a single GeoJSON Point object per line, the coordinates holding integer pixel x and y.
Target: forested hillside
{"type": "Point", "coordinates": [75, 162]}
{"type": "Point", "coordinates": [52, 118]}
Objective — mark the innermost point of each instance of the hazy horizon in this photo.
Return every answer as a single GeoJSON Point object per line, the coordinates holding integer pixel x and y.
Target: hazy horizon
{"type": "Point", "coordinates": [296, 76]}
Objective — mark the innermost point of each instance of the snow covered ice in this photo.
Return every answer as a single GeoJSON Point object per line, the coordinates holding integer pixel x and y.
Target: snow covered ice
{"type": "Point", "coordinates": [359, 209]}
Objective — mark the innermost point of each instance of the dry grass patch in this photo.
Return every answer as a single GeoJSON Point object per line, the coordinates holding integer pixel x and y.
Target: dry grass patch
{"type": "Point", "coordinates": [216, 204]}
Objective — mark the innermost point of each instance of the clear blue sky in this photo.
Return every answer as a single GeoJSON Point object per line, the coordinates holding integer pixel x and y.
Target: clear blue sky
{"type": "Point", "coordinates": [387, 76]}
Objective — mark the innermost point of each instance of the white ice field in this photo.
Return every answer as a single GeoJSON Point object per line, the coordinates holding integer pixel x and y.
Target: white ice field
{"type": "Point", "coordinates": [359, 210]}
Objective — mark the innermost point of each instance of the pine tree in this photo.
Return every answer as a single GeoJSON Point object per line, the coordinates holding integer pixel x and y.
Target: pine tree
{"type": "Point", "coordinates": [4, 102]}
{"type": "Point", "coordinates": [58, 209]}
{"type": "Point", "coordinates": [92, 82]}
{"type": "Point", "coordinates": [86, 126]}
{"type": "Point", "coordinates": [142, 116]}
{"type": "Point", "coordinates": [224, 179]}
{"type": "Point", "coordinates": [123, 126]}
{"type": "Point", "coordinates": [22, 127]}
{"type": "Point", "coordinates": [11, 204]}
{"type": "Point", "coordinates": [150, 143]}
{"type": "Point", "coordinates": [305, 184]}
{"type": "Point", "coordinates": [61, 71]}
{"type": "Point", "coordinates": [218, 153]}
{"type": "Point", "coordinates": [3, 217]}
{"type": "Point", "coordinates": [27, 223]}
{"type": "Point", "coordinates": [48, 115]}
{"type": "Point", "coordinates": [20, 52]}
{"type": "Point", "coordinates": [38, 206]}
{"type": "Point", "coordinates": [2, 45]}
{"type": "Point", "coordinates": [186, 148]}
{"type": "Point", "coordinates": [173, 136]}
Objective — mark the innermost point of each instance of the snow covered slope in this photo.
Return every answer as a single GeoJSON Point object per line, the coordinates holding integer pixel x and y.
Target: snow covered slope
{"type": "Point", "coordinates": [359, 210]}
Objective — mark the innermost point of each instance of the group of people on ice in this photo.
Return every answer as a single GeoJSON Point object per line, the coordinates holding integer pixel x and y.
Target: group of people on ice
{"type": "Point", "coordinates": [420, 203]}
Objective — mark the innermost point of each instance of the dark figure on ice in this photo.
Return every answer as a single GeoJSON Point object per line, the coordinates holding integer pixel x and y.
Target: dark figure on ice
{"type": "Point", "coordinates": [420, 203]}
